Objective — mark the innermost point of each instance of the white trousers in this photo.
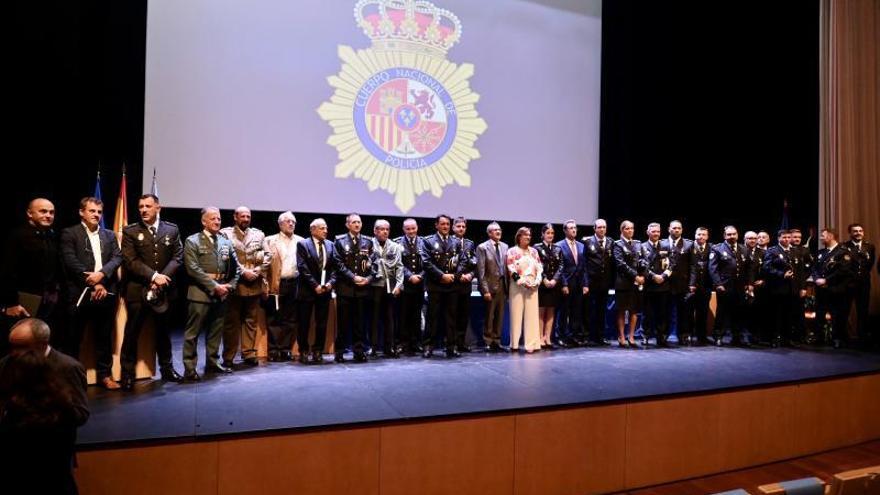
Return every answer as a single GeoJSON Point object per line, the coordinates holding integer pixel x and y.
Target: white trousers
{"type": "Point", "coordinates": [524, 316]}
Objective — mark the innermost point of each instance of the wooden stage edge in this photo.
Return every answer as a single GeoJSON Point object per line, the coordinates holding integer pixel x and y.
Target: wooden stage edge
{"type": "Point", "coordinates": [571, 450]}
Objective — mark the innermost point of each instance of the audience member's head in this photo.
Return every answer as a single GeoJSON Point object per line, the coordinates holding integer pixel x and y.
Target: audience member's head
{"type": "Point", "coordinates": [29, 334]}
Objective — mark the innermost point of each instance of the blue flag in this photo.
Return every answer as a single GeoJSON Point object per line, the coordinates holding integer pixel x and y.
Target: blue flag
{"type": "Point", "coordinates": [98, 195]}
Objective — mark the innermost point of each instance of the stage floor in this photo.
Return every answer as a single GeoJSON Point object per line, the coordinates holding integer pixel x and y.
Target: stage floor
{"type": "Point", "coordinates": [289, 396]}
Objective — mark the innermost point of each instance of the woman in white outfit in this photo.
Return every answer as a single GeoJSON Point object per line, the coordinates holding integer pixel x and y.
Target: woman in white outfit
{"type": "Point", "coordinates": [525, 270]}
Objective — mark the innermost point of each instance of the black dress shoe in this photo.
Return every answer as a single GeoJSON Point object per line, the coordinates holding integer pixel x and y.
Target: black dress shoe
{"type": "Point", "coordinates": [170, 375]}
{"type": "Point", "coordinates": [373, 354]}
{"type": "Point", "coordinates": [428, 352]}
{"type": "Point", "coordinates": [227, 364]}
{"type": "Point", "coordinates": [391, 354]}
{"type": "Point", "coordinates": [251, 361]}
{"type": "Point", "coordinates": [317, 357]}
{"type": "Point", "coordinates": [284, 356]}
{"type": "Point", "coordinates": [339, 358]}
{"type": "Point", "coordinates": [463, 348]}
{"type": "Point", "coordinates": [360, 357]}
{"type": "Point", "coordinates": [191, 376]}
{"type": "Point", "coordinates": [303, 358]}
{"type": "Point", "coordinates": [452, 353]}
{"type": "Point", "coordinates": [127, 383]}
{"type": "Point", "coordinates": [217, 368]}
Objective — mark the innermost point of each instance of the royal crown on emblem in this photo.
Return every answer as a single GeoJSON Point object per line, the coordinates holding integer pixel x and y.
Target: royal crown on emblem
{"type": "Point", "coordinates": [411, 25]}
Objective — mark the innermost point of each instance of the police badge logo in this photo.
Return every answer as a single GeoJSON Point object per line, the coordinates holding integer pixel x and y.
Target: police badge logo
{"type": "Point", "coordinates": [404, 118]}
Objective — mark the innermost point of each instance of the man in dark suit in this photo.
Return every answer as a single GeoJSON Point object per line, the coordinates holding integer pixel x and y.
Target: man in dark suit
{"type": "Point", "coordinates": [354, 254]}
{"type": "Point", "coordinates": [441, 262]}
{"type": "Point", "coordinates": [212, 265]}
{"type": "Point", "coordinates": [833, 276]}
{"type": "Point", "coordinates": [31, 270]}
{"type": "Point", "coordinates": [575, 285]}
{"type": "Point", "coordinates": [730, 271]}
{"type": "Point", "coordinates": [91, 257]}
{"type": "Point", "coordinates": [600, 272]}
{"type": "Point", "coordinates": [316, 264]}
{"type": "Point", "coordinates": [413, 298]}
{"type": "Point", "coordinates": [781, 288]}
{"type": "Point", "coordinates": [151, 255]}
{"type": "Point", "coordinates": [864, 256]}
{"type": "Point", "coordinates": [700, 285]}
{"type": "Point", "coordinates": [492, 274]}
{"type": "Point", "coordinates": [757, 309]}
{"type": "Point", "coordinates": [680, 250]}
{"type": "Point", "coordinates": [659, 268]}
{"type": "Point", "coordinates": [467, 271]}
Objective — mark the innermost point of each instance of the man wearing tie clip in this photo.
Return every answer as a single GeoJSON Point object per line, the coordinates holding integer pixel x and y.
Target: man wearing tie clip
{"type": "Point", "coordinates": [316, 264]}
{"type": "Point", "coordinates": [387, 284]}
{"type": "Point", "coordinates": [353, 253]}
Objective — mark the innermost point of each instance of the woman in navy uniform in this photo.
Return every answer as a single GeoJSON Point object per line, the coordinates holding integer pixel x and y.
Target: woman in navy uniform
{"type": "Point", "coordinates": [548, 293]}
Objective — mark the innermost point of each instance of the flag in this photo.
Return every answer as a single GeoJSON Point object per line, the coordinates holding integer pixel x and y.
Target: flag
{"type": "Point", "coordinates": [120, 219]}
{"type": "Point", "coordinates": [98, 195]}
{"type": "Point", "coordinates": [785, 223]}
{"type": "Point", "coordinates": [154, 188]}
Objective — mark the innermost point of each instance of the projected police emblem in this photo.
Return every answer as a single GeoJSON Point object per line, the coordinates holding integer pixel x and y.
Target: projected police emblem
{"type": "Point", "coordinates": [403, 117]}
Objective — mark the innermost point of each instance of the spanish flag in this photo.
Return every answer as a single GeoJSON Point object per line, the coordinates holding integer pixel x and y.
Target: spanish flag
{"type": "Point", "coordinates": [120, 219]}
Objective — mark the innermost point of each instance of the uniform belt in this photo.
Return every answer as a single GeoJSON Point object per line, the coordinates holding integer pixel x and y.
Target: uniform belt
{"type": "Point", "coordinates": [216, 276]}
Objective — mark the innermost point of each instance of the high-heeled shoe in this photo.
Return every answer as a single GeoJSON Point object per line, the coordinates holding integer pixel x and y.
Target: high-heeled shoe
{"type": "Point", "coordinates": [622, 343]}
{"type": "Point", "coordinates": [632, 343]}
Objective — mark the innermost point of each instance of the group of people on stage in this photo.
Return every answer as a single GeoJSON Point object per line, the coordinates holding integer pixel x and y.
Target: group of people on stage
{"type": "Point", "coordinates": [557, 291]}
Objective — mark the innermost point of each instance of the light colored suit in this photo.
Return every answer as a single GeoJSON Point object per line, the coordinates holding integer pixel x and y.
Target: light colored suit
{"type": "Point", "coordinates": [492, 275]}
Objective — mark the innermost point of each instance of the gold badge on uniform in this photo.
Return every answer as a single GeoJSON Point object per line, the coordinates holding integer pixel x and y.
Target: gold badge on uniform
{"type": "Point", "coordinates": [167, 241]}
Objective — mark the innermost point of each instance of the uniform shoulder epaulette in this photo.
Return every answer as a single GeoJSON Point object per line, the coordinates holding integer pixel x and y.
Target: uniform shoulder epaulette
{"type": "Point", "coordinates": [340, 236]}
{"type": "Point", "coordinates": [172, 224]}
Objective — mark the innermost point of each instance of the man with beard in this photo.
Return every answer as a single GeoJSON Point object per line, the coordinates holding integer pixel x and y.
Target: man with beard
{"type": "Point", "coordinates": [864, 256]}
{"type": "Point", "coordinates": [700, 284]}
{"type": "Point", "coordinates": [730, 271]}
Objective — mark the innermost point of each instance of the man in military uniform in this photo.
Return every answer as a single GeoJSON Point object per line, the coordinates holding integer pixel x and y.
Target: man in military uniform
{"type": "Point", "coordinates": [212, 265]}
{"type": "Point", "coordinates": [387, 285]}
{"type": "Point", "coordinates": [354, 253]}
{"type": "Point", "coordinates": [864, 257]}
{"type": "Point", "coordinates": [803, 264]}
{"type": "Point", "coordinates": [660, 266]}
{"type": "Point", "coordinates": [151, 255]}
{"type": "Point", "coordinates": [466, 251]}
{"type": "Point", "coordinates": [679, 250]}
{"type": "Point", "coordinates": [413, 298]}
{"type": "Point", "coordinates": [575, 285]}
{"type": "Point", "coordinates": [833, 276]}
{"type": "Point", "coordinates": [31, 266]}
{"type": "Point", "coordinates": [441, 263]}
{"type": "Point", "coordinates": [730, 271]}
{"type": "Point", "coordinates": [91, 258]}
{"type": "Point", "coordinates": [240, 326]}
{"type": "Point", "coordinates": [316, 263]}
{"type": "Point", "coordinates": [282, 279]}
{"type": "Point", "coordinates": [700, 284]}
{"type": "Point", "coordinates": [600, 272]}
{"type": "Point", "coordinates": [779, 272]}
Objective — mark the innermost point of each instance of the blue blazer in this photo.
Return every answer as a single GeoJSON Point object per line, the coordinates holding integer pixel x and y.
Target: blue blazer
{"type": "Point", "coordinates": [573, 274]}
{"type": "Point", "coordinates": [308, 265]}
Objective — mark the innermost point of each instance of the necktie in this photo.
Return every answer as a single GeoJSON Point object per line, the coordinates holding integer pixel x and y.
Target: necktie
{"type": "Point", "coordinates": [214, 241]}
{"type": "Point", "coordinates": [574, 251]}
{"type": "Point", "coordinates": [321, 255]}
{"type": "Point", "coordinates": [498, 253]}
{"type": "Point", "coordinates": [153, 231]}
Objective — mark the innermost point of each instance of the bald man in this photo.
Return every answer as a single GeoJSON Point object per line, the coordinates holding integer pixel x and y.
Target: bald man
{"type": "Point", "coordinates": [34, 334]}
{"type": "Point", "coordinates": [31, 269]}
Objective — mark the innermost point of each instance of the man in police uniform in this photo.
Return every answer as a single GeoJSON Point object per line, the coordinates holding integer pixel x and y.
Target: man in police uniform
{"type": "Point", "coordinates": [413, 298]}
{"type": "Point", "coordinates": [756, 310]}
{"type": "Point", "coordinates": [212, 265]}
{"type": "Point", "coordinates": [660, 266]}
{"type": "Point", "coordinates": [802, 268]}
{"type": "Point", "coordinates": [441, 264]}
{"type": "Point", "coordinates": [730, 271]}
{"type": "Point", "coordinates": [864, 256]}
{"type": "Point", "coordinates": [779, 272]}
{"type": "Point", "coordinates": [600, 271]}
{"type": "Point", "coordinates": [354, 253]}
{"type": "Point", "coordinates": [700, 284]}
{"type": "Point", "coordinates": [833, 276]}
{"type": "Point", "coordinates": [244, 303]}
{"type": "Point", "coordinates": [679, 250]}
{"type": "Point", "coordinates": [151, 256]}
{"type": "Point", "coordinates": [466, 251]}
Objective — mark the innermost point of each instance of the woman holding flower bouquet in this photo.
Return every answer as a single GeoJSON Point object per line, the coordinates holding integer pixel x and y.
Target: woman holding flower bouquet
{"type": "Point", "coordinates": [525, 270]}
